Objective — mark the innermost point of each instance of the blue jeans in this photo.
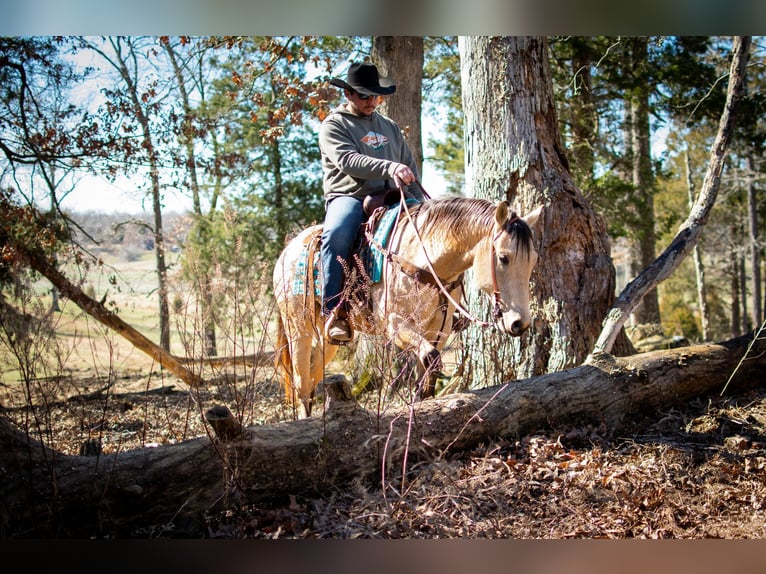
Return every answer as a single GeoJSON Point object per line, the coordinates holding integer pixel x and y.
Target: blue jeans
{"type": "Point", "coordinates": [343, 217]}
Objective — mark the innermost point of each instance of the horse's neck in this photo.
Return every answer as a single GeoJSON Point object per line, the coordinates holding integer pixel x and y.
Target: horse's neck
{"type": "Point", "coordinates": [449, 253]}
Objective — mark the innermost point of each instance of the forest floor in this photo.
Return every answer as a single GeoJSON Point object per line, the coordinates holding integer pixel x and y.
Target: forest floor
{"type": "Point", "coordinates": [698, 471]}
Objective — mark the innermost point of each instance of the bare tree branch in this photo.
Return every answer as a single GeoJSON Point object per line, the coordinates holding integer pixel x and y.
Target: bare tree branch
{"type": "Point", "coordinates": [689, 232]}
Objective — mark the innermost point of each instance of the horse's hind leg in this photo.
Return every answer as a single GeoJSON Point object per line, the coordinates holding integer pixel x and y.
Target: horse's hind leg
{"type": "Point", "coordinates": [303, 382]}
{"type": "Point", "coordinates": [310, 356]}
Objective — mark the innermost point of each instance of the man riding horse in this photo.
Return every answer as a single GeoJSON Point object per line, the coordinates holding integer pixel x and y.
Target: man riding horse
{"type": "Point", "coordinates": [363, 154]}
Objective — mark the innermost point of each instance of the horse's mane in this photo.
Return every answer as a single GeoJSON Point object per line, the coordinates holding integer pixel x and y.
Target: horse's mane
{"type": "Point", "coordinates": [450, 215]}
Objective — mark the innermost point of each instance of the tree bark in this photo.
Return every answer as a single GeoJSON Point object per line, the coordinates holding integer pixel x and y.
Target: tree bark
{"type": "Point", "coordinates": [689, 232]}
{"type": "Point", "coordinates": [47, 494]}
{"type": "Point", "coordinates": [514, 152]}
{"type": "Point", "coordinates": [401, 57]}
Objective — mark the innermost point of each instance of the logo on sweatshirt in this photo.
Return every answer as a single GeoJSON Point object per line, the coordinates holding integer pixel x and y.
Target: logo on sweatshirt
{"type": "Point", "coordinates": [374, 140]}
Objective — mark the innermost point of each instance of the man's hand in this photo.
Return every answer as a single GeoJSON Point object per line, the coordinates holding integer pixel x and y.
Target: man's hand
{"type": "Point", "coordinates": [403, 176]}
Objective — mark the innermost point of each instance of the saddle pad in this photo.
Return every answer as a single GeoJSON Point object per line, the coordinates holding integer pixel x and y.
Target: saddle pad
{"type": "Point", "coordinates": [375, 256]}
{"type": "Point", "coordinates": [299, 280]}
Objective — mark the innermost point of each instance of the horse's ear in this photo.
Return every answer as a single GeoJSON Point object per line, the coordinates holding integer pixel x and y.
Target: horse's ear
{"type": "Point", "coordinates": [534, 220]}
{"type": "Point", "coordinates": [501, 213]}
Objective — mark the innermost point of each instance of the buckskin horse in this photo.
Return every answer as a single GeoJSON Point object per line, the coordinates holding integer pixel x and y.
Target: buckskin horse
{"type": "Point", "coordinates": [413, 302]}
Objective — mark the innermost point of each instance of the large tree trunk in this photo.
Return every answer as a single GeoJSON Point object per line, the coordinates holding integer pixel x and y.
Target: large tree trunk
{"type": "Point", "coordinates": [513, 151]}
{"type": "Point", "coordinates": [44, 493]}
{"type": "Point", "coordinates": [401, 57]}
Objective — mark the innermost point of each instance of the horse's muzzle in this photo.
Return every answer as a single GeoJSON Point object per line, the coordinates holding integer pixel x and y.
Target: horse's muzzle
{"type": "Point", "coordinates": [518, 328]}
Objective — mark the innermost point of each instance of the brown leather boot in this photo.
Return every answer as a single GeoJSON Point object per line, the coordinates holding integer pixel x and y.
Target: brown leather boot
{"type": "Point", "coordinates": [337, 330]}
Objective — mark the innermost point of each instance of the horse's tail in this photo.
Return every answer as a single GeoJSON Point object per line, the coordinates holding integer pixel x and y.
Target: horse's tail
{"type": "Point", "coordinates": [283, 362]}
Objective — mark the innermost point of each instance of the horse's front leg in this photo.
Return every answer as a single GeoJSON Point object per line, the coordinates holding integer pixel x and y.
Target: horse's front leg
{"type": "Point", "coordinates": [432, 368]}
{"type": "Point", "coordinates": [429, 355]}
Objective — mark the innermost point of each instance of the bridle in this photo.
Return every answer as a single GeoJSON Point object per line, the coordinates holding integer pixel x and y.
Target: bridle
{"type": "Point", "coordinates": [498, 305]}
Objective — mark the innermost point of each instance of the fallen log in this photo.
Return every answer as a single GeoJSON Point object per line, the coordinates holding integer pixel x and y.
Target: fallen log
{"type": "Point", "coordinates": [170, 488]}
{"type": "Point", "coordinates": [252, 360]}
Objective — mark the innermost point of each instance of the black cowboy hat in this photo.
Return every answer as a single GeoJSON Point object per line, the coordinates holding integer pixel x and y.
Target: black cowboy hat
{"type": "Point", "coordinates": [363, 78]}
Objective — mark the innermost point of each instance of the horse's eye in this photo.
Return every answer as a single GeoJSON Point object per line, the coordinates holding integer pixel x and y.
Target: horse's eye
{"type": "Point", "coordinates": [503, 258]}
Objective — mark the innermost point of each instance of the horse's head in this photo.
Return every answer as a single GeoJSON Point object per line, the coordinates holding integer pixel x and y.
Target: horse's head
{"type": "Point", "coordinates": [506, 269]}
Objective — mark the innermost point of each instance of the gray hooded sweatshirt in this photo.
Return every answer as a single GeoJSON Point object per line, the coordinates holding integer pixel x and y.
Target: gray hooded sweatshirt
{"type": "Point", "coordinates": [359, 154]}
